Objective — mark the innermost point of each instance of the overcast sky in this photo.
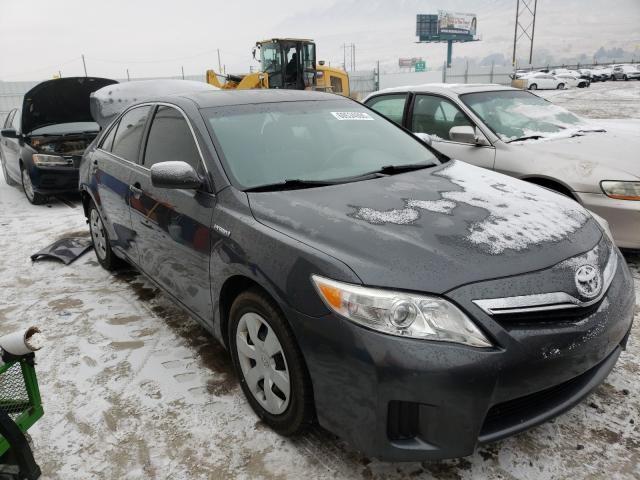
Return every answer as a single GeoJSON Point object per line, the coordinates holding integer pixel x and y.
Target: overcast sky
{"type": "Point", "coordinates": [151, 38]}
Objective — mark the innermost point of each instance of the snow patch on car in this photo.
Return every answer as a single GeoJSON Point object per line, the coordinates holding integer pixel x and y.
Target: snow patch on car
{"type": "Point", "coordinates": [519, 214]}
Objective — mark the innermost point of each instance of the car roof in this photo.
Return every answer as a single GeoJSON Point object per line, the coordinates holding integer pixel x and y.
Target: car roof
{"type": "Point", "coordinates": [221, 98]}
{"type": "Point", "coordinates": [446, 88]}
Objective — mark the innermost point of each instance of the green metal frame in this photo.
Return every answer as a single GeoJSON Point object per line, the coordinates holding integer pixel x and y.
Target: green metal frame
{"type": "Point", "coordinates": [34, 411]}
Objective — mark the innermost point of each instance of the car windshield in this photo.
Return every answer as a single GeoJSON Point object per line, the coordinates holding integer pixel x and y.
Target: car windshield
{"type": "Point", "coordinates": [513, 115]}
{"type": "Point", "coordinates": [311, 141]}
{"type": "Point", "coordinates": [66, 128]}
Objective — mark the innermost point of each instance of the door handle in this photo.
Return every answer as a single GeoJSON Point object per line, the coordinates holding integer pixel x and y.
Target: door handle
{"type": "Point", "coordinates": [135, 190]}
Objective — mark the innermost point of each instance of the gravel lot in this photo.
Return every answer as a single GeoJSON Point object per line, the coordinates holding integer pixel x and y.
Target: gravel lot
{"type": "Point", "coordinates": [134, 388]}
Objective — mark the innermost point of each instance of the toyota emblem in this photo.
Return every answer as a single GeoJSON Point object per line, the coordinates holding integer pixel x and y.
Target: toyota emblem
{"type": "Point", "coordinates": [588, 281]}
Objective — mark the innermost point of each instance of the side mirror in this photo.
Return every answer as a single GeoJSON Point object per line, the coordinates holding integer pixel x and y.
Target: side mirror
{"type": "Point", "coordinates": [174, 175]}
{"type": "Point", "coordinates": [468, 134]}
{"type": "Point", "coordinates": [9, 133]}
{"type": "Point", "coordinates": [463, 134]}
{"type": "Point", "coordinates": [425, 137]}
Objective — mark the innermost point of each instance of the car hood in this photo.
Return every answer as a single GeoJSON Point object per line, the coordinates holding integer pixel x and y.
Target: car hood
{"type": "Point", "coordinates": [435, 229]}
{"type": "Point", "coordinates": [63, 100]}
{"type": "Point", "coordinates": [615, 149]}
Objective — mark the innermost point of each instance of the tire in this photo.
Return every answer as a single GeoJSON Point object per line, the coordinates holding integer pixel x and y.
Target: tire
{"type": "Point", "coordinates": [560, 86]}
{"type": "Point", "coordinates": [34, 197]}
{"type": "Point", "coordinates": [10, 181]}
{"type": "Point", "coordinates": [533, 86]}
{"type": "Point", "coordinates": [254, 317]}
{"type": "Point", "coordinates": [613, 77]}
{"type": "Point", "coordinates": [100, 239]}
{"type": "Point", "coordinates": [625, 78]}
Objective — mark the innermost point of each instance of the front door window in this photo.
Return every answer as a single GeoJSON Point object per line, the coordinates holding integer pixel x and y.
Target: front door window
{"type": "Point", "coordinates": [436, 116]}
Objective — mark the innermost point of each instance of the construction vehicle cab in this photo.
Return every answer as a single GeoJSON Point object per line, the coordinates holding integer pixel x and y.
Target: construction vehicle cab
{"type": "Point", "coordinates": [290, 63]}
{"type": "Point", "coordinates": [287, 63]}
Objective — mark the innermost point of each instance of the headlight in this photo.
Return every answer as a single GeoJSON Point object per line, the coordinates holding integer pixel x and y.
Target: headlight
{"type": "Point", "coordinates": [621, 190]}
{"type": "Point", "coordinates": [399, 313]}
{"type": "Point", "coordinates": [43, 160]}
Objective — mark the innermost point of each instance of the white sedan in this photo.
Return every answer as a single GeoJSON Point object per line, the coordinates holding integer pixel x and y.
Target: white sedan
{"type": "Point", "coordinates": [543, 81]}
{"type": "Point", "coordinates": [572, 80]}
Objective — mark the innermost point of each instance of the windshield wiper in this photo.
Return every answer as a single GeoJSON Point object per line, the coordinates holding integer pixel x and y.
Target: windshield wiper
{"type": "Point", "coordinates": [526, 137]}
{"type": "Point", "coordinates": [407, 167]}
{"type": "Point", "coordinates": [291, 184]}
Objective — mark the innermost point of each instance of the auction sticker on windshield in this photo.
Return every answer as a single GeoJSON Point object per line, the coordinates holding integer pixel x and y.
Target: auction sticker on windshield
{"type": "Point", "coordinates": [352, 115]}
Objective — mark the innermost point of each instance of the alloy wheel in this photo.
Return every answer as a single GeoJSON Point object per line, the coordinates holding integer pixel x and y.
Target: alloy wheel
{"type": "Point", "coordinates": [263, 363]}
{"type": "Point", "coordinates": [97, 234]}
{"type": "Point", "coordinates": [27, 185]}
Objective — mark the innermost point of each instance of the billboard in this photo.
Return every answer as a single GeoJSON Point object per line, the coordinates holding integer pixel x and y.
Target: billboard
{"type": "Point", "coordinates": [453, 23]}
{"type": "Point", "coordinates": [409, 62]}
{"type": "Point", "coordinates": [445, 26]}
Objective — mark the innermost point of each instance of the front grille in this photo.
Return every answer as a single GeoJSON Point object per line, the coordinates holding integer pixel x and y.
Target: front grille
{"type": "Point", "coordinates": [518, 410]}
{"type": "Point", "coordinates": [403, 420]}
{"type": "Point", "coordinates": [555, 317]}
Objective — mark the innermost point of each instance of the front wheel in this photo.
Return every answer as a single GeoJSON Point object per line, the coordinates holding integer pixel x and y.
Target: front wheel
{"type": "Point", "coordinates": [533, 86]}
{"type": "Point", "coordinates": [272, 372]}
{"type": "Point", "coordinates": [561, 86]}
{"type": "Point", "coordinates": [34, 197]}
{"type": "Point", "coordinates": [100, 240]}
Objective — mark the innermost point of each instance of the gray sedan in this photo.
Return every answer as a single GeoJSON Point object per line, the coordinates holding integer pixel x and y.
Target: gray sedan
{"type": "Point", "coordinates": [520, 134]}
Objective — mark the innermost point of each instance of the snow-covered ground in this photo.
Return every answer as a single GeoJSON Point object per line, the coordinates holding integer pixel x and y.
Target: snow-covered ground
{"type": "Point", "coordinates": [601, 100]}
{"type": "Point", "coordinates": [135, 389]}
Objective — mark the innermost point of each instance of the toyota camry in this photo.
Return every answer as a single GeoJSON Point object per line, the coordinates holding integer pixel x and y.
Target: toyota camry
{"type": "Point", "coordinates": [414, 305]}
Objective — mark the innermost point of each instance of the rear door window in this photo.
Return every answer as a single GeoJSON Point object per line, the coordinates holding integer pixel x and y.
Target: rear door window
{"type": "Point", "coordinates": [126, 143]}
{"type": "Point", "coordinates": [391, 106]}
{"type": "Point", "coordinates": [436, 116]}
{"type": "Point", "coordinates": [170, 139]}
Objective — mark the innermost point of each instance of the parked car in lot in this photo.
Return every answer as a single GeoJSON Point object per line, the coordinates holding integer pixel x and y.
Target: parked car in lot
{"type": "Point", "coordinates": [417, 306]}
{"type": "Point", "coordinates": [42, 142]}
{"type": "Point", "coordinates": [605, 73]}
{"type": "Point", "coordinates": [625, 72]}
{"type": "Point", "coordinates": [573, 81]}
{"type": "Point", "coordinates": [543, 81]}
{"type": "Point", "coordinates": [520, 134]}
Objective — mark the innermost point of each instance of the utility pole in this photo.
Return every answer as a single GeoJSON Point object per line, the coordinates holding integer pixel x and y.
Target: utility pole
{"type": "Point", "coordinates": [128, 79]}
{"type": "Point", "coordinates": [59, 73]}
{"type": "Point", "coordinates": [219, 63]}
{"type": "Point", "coordinates": [353, 57]}
{"type": "Point", "coordinates": [525, 26]}
{"type": "Point", "coordinates": [182, 68]}
{"type": "Point", "coordinates": [84, 64]}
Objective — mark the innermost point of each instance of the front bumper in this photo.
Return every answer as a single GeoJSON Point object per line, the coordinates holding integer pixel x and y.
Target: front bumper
{"type": "Point", "coordinates": [50, 180]}
{"type": "Point", "coordinates": [623, 217]}
{"type": "Point", "coordinates": [403, 399]}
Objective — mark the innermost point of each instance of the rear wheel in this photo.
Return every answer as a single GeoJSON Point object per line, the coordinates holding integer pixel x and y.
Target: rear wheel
{"type": "Point", "coordinates": [561, 86]}
{"type": "Point", "coordinates": [625, 77]}
{"type": "Point", "coordinates": [34, 197]}
{"type": "Point", "coordinates": [270, 366]}
{"type": "Point", "coordinates": [100, 240]}
{"type": "Point", "coordinates": [533, 86]}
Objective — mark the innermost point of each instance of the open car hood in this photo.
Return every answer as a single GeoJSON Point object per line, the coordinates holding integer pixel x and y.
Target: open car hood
{"type": "Point", "coordinates": [108, 102]}
{"type": "Point", "coordinates": [63, 100]}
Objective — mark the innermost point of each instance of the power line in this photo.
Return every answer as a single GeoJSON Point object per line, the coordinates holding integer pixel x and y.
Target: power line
{"type": "Point", "coordinates": [54, 67]}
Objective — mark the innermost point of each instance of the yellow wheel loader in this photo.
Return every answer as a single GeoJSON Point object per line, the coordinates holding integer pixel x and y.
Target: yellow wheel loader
{"type": "Point", "coordinates": [288, 63]}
